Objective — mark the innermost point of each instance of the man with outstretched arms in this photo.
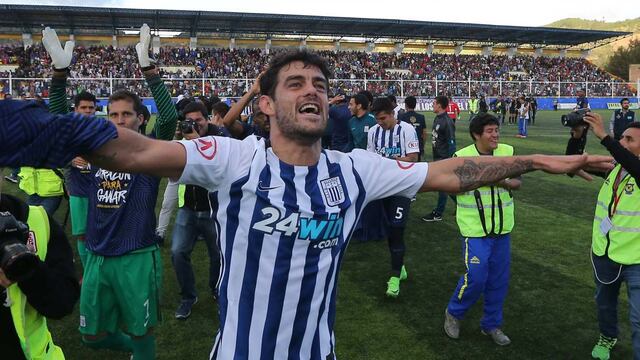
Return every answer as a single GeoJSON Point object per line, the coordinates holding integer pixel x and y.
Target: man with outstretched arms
{"type": "Point", "coordinates": [286, 207]}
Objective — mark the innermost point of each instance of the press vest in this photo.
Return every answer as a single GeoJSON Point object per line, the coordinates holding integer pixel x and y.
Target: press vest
{"type": "Point", "coordinates": [182, 188]}
{"type": "Point", "coordinates": [30, 325]}
{"type": "Point", "coordinates": [473, 105]}
{"type": "Point", "coordinates": [487, 210]}
{"type": "Point", "coordinates": [622, 241]}
{"type": "Point", "coordinates": [43, 182]}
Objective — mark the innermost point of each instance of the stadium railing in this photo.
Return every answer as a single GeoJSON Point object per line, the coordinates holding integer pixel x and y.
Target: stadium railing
{"type": "Point", "coordinates": [227, 87]}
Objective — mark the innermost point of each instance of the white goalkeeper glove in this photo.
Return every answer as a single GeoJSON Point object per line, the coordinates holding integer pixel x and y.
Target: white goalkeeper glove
{"type": "Point", "coordinates": [60, 58]}
{"type": "Point", "coordinates": [142, 48]}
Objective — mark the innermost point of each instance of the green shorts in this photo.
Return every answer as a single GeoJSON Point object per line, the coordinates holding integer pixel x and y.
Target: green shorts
{"type": "Point", "coordinates": [121, 292]}
{"type": "Point", "coordinates": [78, 207]}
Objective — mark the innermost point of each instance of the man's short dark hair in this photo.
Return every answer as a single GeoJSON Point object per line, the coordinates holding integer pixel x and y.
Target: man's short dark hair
{"type": "Point", "coordinates": [443, 101]}
{"type": "Point", "coordinates": [633, 125]}
{"type": "Point", "coordinates": [269, 80]}
{"type": "Point", "coordinates": [129, 96]}
{"type": "Point", "coordinates": [368, 94]}
{"type": "Point", "coordinates": [220, 108]}
{"type": "Point", "coordinates": [146, 114]}
{"type": "Point", "coordinates": [207, 103]}
{"type": "Point", "coordinates": [410, 102]}
{"type": "Point", "coordinates": [214, 100]}
{"type": "Point", "coordinates": [623, 100]}
{"type": "Point", "coordinates": [362, 100]}
{"type": "Point", "coordinates": [196, 106]}
{"type": "Point", "coordinates": [382, 104]}
{"type": "Point", "coordinates": [392, 98]}
{"type": "Point", "coordinates": [84, 96]}
{"type": "Point", "coordinates": [476, 126]}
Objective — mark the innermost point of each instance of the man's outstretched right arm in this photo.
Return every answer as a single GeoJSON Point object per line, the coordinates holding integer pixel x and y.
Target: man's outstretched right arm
{"type": "Point", "coordinates": [31, 136]}
{"type": "Point", "coordinates": [133, 152]}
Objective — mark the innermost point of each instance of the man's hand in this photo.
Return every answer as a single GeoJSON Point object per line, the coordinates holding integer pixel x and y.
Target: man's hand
{"type": "Point", "coordinates": [60, 58]}
{"type": "Point", "coordinates": [142, 48]}
{"type": "Point", "coordinates": [572, 164]}
{"type": "Point", "coordinates": [255, 88]}
{"type": "Point", "coordinates": [4, 282]}
{"type": "Point", "coordinates": [79, 163]}
{"type": "Point", "coordinates": [336, 100]}
{"type": "Point", "coordinates": [597, 124]}
{"type": "Point", "coordinates": [190, 136]}
{"type": "Point", "coordinates": [578, 130]}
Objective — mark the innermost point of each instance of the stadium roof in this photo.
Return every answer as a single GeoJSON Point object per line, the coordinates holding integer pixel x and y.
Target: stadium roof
{"type": "Point", "coordinates": [95, 20]}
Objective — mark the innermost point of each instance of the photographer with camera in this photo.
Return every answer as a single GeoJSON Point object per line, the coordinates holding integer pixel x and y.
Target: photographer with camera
{"type": "Point", "coordinates": [37, 280]}
{"type": "Point", "coordinates": [616, 233]}
{"type": "Point", "coordinates": [194, 214]}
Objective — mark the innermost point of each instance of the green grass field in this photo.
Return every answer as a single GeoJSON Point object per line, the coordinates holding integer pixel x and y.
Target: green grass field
{"type": "Point", "coordinates": [549, 312]}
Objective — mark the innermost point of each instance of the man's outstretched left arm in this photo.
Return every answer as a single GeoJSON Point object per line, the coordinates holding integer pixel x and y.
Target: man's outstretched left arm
{"type": "Point", "coordinates": [461, 174]}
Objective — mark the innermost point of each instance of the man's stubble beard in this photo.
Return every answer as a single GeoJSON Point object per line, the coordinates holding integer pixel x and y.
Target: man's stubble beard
{"type": "Point", "coordinates": [292, 130]}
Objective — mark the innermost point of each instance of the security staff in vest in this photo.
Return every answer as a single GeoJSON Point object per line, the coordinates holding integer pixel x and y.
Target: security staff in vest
{"type": "Point", "coordinates": [485, 220]}
{"type": "Point", "coordinates": [620, 119]}
{"type": "Point", "coordinates": [616, 236]}
{"type": "Point", "coordinates": [44, 187]}
{"type": "Point", "coordinates": [473, 106]}
{"type": "Point", "coordinates": [36, 283]}
{"type": "Point", "coordinates": [194, 217]}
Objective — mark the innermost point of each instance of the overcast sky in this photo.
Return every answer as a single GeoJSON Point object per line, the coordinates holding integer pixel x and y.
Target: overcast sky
{"type": "Point", "coordinates": [519, 12]}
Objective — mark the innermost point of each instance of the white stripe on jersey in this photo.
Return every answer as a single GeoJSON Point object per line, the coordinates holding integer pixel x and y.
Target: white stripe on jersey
{"type": "Point", "coordinates": [283, 233]}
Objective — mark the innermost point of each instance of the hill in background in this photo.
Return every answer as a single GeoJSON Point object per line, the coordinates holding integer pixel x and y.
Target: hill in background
{"type": "Point", "coordinates": [600, 56]}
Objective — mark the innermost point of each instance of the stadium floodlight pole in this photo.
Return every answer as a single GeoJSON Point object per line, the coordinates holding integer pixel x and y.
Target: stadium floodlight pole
{"type": "Point", "coordinates": [611, 87]}
{"type": "Point", "coordinates": [530, 86]}
{"type": "Point", "coordinates": [559, 89]}
{"type": "Point", "coordinates": [586, 88]}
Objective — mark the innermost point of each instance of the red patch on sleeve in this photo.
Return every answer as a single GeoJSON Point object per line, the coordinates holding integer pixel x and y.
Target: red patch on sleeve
{"type": "Point", "coordinates": [207, 147]}
{"type": "Point", "coordinates": [404, 165]}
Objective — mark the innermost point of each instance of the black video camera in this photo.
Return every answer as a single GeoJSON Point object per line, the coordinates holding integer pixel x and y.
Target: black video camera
{"type": "Point", "coordinates": [187, 126]}
{"type": "Point", "coordinates": [574, 118]}
{"type": "Point", "coordinates": [17, 261]}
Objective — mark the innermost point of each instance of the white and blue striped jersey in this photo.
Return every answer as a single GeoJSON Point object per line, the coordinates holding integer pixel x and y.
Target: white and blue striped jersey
{"type": "Point", "coordinates": [283, 233]}
{"type": "Point", "coordinates": [399, 141]}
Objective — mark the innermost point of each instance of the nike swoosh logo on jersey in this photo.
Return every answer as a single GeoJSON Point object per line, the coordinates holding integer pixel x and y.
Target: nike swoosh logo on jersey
{"type": "Point", "coordinates": [267, 188]}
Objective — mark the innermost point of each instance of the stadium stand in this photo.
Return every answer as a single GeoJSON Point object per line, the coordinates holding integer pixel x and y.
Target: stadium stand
{"type": "Point", "coordinates": [417, 71]}
{"type": "Point", "coordinates": [392, 57]}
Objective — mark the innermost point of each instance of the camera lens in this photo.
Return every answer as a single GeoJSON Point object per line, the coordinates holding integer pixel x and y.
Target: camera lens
{"type": "Point", "coordinates": [17, 261]}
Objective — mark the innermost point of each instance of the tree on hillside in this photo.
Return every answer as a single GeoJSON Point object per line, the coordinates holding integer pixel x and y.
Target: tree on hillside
{"type": "Point", "coordinates": [621, 59]}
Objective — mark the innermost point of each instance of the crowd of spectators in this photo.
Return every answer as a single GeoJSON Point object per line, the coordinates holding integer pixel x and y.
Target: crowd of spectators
{"type": "Point", "coordinates": [381, 73]}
